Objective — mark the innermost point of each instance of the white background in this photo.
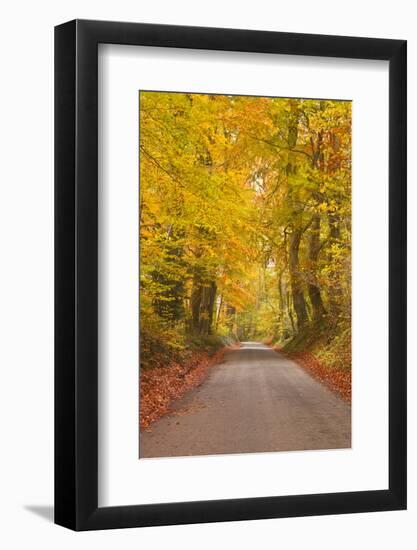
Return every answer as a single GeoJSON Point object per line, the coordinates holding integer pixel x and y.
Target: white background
{"type": "Point", "coordinates": [26, 404]}
{"type": "Point", "coordinates": [123, 479]}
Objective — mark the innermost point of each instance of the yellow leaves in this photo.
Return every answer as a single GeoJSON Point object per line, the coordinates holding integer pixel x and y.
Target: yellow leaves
{"type": "Point", "coordinates": [328, 207]}
{"type": "Point", "coordinates": [234, 176]}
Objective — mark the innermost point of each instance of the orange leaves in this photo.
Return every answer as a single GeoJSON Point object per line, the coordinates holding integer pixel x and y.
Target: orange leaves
{"type": "Point", "coordinates": [336, 379]}
{"type": "Point", "coordinates": [159, 386]}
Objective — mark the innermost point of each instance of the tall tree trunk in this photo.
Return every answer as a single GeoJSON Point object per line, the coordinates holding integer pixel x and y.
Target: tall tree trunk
{"type": "Point", "coordinates": [335, 292]}
{"type": "Point", "coordinates": [314, 235]}
{"type": "Point", "coordinates": [219, 311]}
{"type": "Point", "coordinates": [290, 315]}
{"type": "Point", "coordinates": [195, 303]}
{"type": "Point", "coordinates": [295, 237]}
{"type": "Point", "coordinates": [230, 314]}
{"type": "Point", "coordinates": [208, 294]}
{"type": "Point", "coordinates": [296, 279]}
{"type": "Point", "coordinates": [203, 325]}
{"type": "Point", "coordinates": [281, 314]}
{"type": "Point", "coordinates": [212, 302]}
{"type": "Point", "coordinates": [313, 253]}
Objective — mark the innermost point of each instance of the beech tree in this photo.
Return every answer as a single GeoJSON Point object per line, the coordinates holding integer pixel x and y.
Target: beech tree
{"type": "Point", "coordinates": [244, 217]}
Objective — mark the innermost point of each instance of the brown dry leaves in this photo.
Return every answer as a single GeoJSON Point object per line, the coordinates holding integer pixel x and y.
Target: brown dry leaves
{"type": "Point", "coordinates": [159, 386]}
{"type": "Point", "coordinates": [336, 379]}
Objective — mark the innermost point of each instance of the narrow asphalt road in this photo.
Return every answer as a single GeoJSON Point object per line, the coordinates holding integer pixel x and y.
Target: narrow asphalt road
{"type": "Point", "coordinates": [256, 400]}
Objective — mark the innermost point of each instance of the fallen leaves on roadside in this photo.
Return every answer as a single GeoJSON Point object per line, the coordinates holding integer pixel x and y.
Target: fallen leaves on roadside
{"type": "Point", "coordinates": [159, 386]}
{"type": "Point", "coordinates": [336, 379]}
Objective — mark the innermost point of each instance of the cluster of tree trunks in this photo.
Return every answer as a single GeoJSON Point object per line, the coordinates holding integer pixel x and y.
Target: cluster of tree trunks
{"type": "Point", "coordinates": [308, 280]}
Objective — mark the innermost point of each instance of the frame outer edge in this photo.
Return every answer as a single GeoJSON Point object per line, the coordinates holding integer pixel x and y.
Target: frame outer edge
{"type": "Point", "coordinates": [86, 269]}
{"type": "Point", "coordinates": [64, 175]}
{"type": "Point", "coordinates": [76, 245]}
{"type": "Point", "coordinates": [398, 275]}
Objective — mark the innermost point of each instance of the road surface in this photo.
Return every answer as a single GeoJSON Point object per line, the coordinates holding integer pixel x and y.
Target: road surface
{"type": "Point", "coordinates": [256, 400]}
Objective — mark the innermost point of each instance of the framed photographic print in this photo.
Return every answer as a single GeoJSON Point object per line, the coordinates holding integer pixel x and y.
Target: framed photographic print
{"type": "Point", "coordinates": [230, 247]}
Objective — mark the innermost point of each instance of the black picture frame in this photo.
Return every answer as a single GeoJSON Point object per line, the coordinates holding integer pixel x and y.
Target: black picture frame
{"type": "Point", "coordinates": [76, 273]}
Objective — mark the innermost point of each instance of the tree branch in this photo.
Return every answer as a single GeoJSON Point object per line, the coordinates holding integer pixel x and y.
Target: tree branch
{"type": "Point", "coordinates": [285, 148]}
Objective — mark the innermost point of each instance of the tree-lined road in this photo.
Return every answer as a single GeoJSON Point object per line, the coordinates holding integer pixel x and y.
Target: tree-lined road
{"type": "Point", "coordinates": [256, 400]}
